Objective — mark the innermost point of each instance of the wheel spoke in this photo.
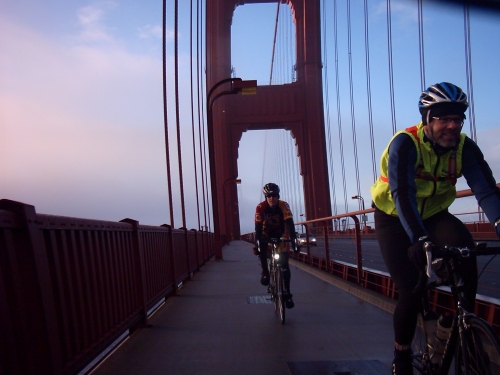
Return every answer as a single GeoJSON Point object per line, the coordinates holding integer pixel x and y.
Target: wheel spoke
{"type": "Point", "coordinates": [482, 349]}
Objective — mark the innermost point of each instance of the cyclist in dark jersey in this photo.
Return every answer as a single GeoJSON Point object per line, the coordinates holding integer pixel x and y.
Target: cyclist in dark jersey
{"type": "Point", "coordinates": [274, 219]}
{"type": "Point", "coordinates": [419, 169]}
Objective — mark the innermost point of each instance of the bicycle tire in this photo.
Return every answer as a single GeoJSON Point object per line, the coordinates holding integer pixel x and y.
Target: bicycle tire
{"type": "Point", "coordinates": [280, 294]}
{"type": "Point", "coordinates": [273, 287]}
{"type": "Point", "coordinates": [421, 359]}
{"type": "Point", "coordinates": [482, 348]}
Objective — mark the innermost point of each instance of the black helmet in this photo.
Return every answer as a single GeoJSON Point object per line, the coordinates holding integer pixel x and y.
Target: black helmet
{"type": "Point", "coordinates": [442, 99]}
{"type": "Point", "coordinates": [271, 188]}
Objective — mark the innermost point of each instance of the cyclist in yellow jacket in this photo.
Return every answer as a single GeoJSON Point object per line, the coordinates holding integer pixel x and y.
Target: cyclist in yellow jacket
{"type": "Point", "coordinates": [419, 169]}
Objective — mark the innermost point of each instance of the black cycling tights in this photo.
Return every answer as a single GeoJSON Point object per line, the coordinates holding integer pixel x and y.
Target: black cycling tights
{"type": "Point", "coordinates": [443, 229]}
{"type": "Point", "coordinates": [284, 256]}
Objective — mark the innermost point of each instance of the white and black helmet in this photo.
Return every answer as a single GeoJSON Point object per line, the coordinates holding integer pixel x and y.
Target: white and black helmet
{"type": "Point", "coordinates": [444, 97]}
{"type": "Point", "coordinates": [271, 189]}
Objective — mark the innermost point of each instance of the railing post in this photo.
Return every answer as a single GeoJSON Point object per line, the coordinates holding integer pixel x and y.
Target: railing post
{"type": "Point", "coordinates": [32, 342]}
{"type": "Point", "coordinates": [195, 234]}
{"type": "Point", "coordinates": [140, 269]}
{"type": "Point", "coordinates": [186, 248]}
{"type": "Point", "coordinates": [172, 257]}
{"type": "Point", "coordinates": [357, 239]}
{"type": "Point", "coordinates": [327, 248]}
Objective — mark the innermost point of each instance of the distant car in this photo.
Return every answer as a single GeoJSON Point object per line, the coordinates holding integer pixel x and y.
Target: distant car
{"type": "Point", "coordinates": [302, 239]}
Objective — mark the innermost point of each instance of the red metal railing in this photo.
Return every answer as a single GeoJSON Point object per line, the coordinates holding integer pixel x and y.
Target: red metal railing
{"type": "Point", "coordinates": [70, 287]}
{"type": "Point", "coordinates": [378, 281]}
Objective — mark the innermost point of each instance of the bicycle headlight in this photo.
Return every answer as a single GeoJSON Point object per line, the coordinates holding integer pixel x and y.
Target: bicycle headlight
{"type": "Point", "coordinates": [276, 256]}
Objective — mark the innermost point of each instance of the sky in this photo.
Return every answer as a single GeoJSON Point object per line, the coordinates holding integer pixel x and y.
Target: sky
{"type": "Point", "coordinates": [81, 107]}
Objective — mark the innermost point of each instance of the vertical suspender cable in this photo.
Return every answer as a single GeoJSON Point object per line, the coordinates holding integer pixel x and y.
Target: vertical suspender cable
{"type": "Point", "coordinates": [192, 110]}
{"type": "Point", "coordinates": [200, 110]}
{"type": "Point", "coordinates": [179, 148]}
{"type": "Point", "coordinates": [391, 73]}
{"type": "Point", "coordinates": [351, 92]}
{"type": "Point", "coordinates": [274, 42]}
{"type": "Point", "coordinates": [421, 45]}
{"type": "Point", "coordinates": [470, 91]}
{"type": "Point", "coordinates": [338, 104]}
{"type": "Point", "coordinates": [369, 93]}
{"type": "Point", "coordinates": [165, 113]}
{"type": "Point", "coordinates": [468, 65]}
{"type": "Point", "coordinates": [206, 158]}
{"type": "Point", "coordinates": [327, 110]}
{"type": "Point", "coordinates": [264, 159]}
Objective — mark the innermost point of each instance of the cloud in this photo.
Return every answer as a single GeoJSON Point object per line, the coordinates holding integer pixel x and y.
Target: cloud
{"type": "Point", "coordinates": [82, 126]}
{"type": "Point", "coordinates": [90, 18]}
{"type": "Point", "coordinates": [154, 31]}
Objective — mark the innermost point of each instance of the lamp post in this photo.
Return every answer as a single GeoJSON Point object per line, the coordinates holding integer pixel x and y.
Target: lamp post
{"type": "Point", "coordinates": [363, 217]}
{"type": "Point", "coordinates": [304, 220]}
{"type": "Point", "coordinates": [237, 181]}
{"type": "Point", "coordinates": [237, 85]}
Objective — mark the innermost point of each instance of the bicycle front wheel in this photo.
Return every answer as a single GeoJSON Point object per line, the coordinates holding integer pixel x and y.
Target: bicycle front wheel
{"type": "Point", "coordinates": [280, 289]}
{"type": "Point", "coordinates": [479, 349]}
{"type": "Point", "coordinates": [421, 360]}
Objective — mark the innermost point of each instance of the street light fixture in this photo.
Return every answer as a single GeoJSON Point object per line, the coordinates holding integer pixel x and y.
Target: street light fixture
{"type": "Point", "coordinates": [237, 85]}
{"type": "Point", "coordinates": [363, 217]}
{"type": "Point", "coordinates": [304, 220]}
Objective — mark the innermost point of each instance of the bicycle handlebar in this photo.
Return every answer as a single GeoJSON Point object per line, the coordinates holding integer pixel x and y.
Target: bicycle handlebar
{"type": "Point", "coordinates": [433, 252]}
{"type": "Point", "coordinates": [464, 252]}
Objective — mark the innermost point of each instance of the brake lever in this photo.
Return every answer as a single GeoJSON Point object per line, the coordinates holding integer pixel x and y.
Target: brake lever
{"type": "Point", "coordinates": [428, 256]}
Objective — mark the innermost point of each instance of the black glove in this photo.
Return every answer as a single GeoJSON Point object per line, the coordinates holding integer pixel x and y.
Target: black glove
{"type": "Point", "coordinates": [294, 246]}
{"type": "Point", "coordinates": [416, 253]}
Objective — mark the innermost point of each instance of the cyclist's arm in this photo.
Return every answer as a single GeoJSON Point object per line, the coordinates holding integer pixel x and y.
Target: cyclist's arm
{"type": "Point", "coordinates": [259, 220]}
{"type": "Point", "coordinates": [401, 173]}
{"type": "Point", "coordinates": [290, 227]}
{"type": "Point", "coordinates": [481, 181]}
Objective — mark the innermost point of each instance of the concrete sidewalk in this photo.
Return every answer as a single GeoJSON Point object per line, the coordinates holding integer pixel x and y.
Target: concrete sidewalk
{"type": "Point", "coordinates": [221, 323]}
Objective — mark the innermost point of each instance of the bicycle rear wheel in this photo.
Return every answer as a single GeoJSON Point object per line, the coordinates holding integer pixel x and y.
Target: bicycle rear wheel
{"type": "Point", "coordinates": [480, 354]}
{"type": "Point", "coordinates": [280, 290]}
{"type": "Point", "coordinates": [421, 360]}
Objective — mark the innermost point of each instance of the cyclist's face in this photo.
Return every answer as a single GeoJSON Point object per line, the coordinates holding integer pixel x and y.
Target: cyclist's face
{"type": "Point", "coordinates": [446, 130]}
{"type": "Point", "coordinates": [272, 199]}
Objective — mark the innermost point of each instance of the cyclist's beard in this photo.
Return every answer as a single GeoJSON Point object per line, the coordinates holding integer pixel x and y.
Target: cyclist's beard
{"type": "Point", "coordinates": [442, 144]}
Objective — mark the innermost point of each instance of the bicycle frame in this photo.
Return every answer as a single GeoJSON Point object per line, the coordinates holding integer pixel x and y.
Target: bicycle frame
{"type": "Point", "coordinates": [276, 282]}
{"type": "Point", "coordinates": [464, 325]}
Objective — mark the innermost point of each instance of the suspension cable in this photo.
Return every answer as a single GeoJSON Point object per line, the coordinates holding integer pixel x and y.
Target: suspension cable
{"type": "Point", "coordinates": [339, 117]}
{"type": "Point", "coordinates": [177, 113]}
{"type": "Point", "coordinates": [192, 110]}
{"type": "Point", "coordinates": [421, 45]}
{"type": "Point", "coordinates": [391, 73]}
{"type": "Point", "coordinates": [200, 110]}
{"type": "Point", "coordinates": [369, 93]}
{"type": "Point", "coordinates": [327, 109]}
{"type": "Point", "coordinates": [351, 92]}
{"type": "Point", "coordinates": [165, 113]}
{"type": "Point", "coordinates": [205, 142]}
{"type": "Point", "coordinates": [468, 66]}
{"type": "Point", "coordinates": [274, 41]}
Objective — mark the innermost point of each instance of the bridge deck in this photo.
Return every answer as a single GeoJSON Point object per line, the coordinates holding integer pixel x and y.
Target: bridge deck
{"type": "Point", "coordinates": [218, 324]}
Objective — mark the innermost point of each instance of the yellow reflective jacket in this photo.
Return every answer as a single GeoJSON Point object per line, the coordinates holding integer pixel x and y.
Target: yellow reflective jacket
{"type": "Point", "coordinates": [435, 176]}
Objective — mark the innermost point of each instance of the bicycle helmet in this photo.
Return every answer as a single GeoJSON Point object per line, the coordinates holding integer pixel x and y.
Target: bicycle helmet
{"type": "Point", "coordinates": [442, 99]}
{"type": "Point", "coordinates": [271, 188]}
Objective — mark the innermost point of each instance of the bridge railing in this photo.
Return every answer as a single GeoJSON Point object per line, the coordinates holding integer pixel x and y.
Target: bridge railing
{"type": "Point", "coordinates": [70, 287]}
{"type": "Point", "coordinates": [378, 281]}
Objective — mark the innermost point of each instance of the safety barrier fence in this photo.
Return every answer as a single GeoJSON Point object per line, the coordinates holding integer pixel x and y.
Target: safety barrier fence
{"type": "Point", "coordinates": [441, 299]}
{"type": "Point", "coordinates": [69, 287]}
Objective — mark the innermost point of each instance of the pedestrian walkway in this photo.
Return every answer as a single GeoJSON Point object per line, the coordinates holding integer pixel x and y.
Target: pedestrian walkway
{"type": "Point", "coordinates": [222, 323]}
